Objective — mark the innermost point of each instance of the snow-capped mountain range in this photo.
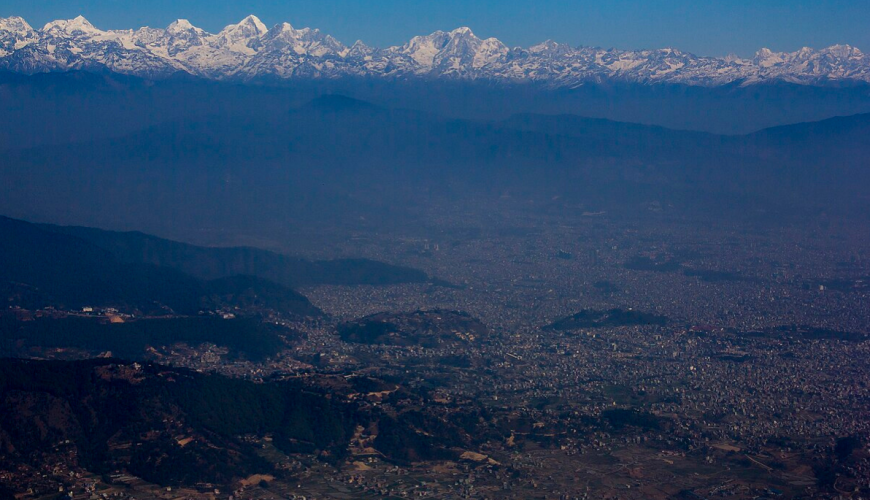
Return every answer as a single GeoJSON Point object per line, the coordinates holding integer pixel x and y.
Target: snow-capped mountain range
{"type": "Point", "coordinates": [251, 51]}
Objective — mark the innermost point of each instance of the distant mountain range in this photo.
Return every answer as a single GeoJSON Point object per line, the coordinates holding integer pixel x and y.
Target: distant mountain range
{"type": "Point", "coordinates": [249, 51]}
{"type": "Point", "coordinates": [350, 165]}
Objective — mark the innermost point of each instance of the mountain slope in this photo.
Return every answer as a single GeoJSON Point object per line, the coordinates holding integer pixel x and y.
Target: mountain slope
{"type": "Point", "coordinates": [173, 427]}
{"type": "Point", "coordinates": [249, 51]}
{"type": "Point", "coordinates": [342, 163]}
{"type": "Point", "coordinates": [97, 406]}
{"type": "Point", "coordinates": [40, 268]}
{"type": "Point", "coordinates": [77, 106]}
{"type": "Point", "coordinates": [231, 266]}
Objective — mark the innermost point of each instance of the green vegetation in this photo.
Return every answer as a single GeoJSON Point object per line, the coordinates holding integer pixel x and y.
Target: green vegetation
{"type": "Point", "coordinates": [846, 446]}
{"type": "Point", "coordinates": [802, 332]}
{"type": "Point", "coordinates": [212, 263]}
{"type": "Point", "coordinates": [856, 285]}
{"type": "Point", "coordinates": [231, 407]}
{"type": "Point", "coordinates": [406, 444]}
{"type": "Point", "coordinates": [367, 332]}
{"type": "Point", "coordinates": [121, 415]}
{"type": "Point", "coordinates": [711, 276]}
{"type": "Point", "coordinates": [619, 418]}
{"type": "Point", "coordinates": [42, 268]}
{"type": "Point", "coordinates": [606, 287]}
{"type": "Point", "coordinates": [647, 264]}
{"type": "Point", "coordinates": [416, 435]}
{"type": "Point", "coordinates": [420, 328]}
{"type": "Point", "coordinates": [89, 402]}
{"type": "Point", "coordinates": [589, 318]}
{"type": "Point", "coordinates": [245, 337]}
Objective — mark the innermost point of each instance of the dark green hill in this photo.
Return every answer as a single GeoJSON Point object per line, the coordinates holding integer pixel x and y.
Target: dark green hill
{"type": "Point", "coordinates": [212, 263]}
{"type": "Point", "coordinates": [420, 328]}
{"type": "Point", "coordinates": [341, 165]}
{"type": "Point", "coordinates": [589, 318]}
{"type": "Point", "coordinates": [123, 416]}
{"type": "Point", "coordinates": [40, 268]}
{"type": "Point", "coordinates": [244, 337]}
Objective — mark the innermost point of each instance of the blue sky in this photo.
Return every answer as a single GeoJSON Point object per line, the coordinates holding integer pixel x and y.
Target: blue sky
{"type": "Point", "coordinates": [705, 27]}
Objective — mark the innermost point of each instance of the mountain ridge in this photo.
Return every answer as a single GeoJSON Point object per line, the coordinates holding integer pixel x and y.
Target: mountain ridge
{"type": "Point", "coordinates": [249, 51]}
{"type": "Point", "coordinates": [328, 164]}
{"type": "Point", "coordinates": [222, 263]}
{"type": "Point", "coordinates": [61, 269]}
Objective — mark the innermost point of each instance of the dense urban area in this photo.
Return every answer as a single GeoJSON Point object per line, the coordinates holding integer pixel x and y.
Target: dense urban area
{"type": "Point", "coordinates": [608, 356]}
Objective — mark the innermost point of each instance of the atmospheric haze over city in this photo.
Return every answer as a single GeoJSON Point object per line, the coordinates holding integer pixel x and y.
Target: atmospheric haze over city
{"type": "Point", "coordinates": [257, 250]}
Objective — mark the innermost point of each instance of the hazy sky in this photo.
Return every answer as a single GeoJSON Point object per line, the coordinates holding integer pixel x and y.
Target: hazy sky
{"type": "Point", "coordinates": [705, 27]}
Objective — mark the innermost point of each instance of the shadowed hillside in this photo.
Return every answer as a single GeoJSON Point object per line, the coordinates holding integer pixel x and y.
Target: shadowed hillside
{"type": "Point", "coordinates": [214, 263]}
{"type": "Point", "coordinates": [342, 163]}
{"type": "Point", "coordinates": [40, 268]}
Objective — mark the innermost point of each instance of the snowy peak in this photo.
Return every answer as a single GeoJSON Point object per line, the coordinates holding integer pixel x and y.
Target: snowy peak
{"type": "Point", "coordinates": [15, 34]}
{"type": "Point", "coordinates": [733, 59]}
{"type": "Point", "coordinates": [838, 62]}
{"type": "Point", "coordinates": [455, 52]}
{"type": "Point", "coordinates": [255, 23]}
{"type": "Point", "coordinates": [767, 58]}
{"type": "Point", "coordinates": [249, 50]}
{"type": "Point", "coordinates": [182, 27]}
{"type": "Point", "coordinates": [282, 28]}
{"type": "Point", "coordinates": [249, 26]}
{"type": "Point", "coordinates": [424, 49]}
{"type": "Point", "coordinates": [548, 47]}
{"type": "Point", "coordinates": [79, 25]}
{"type": "Point", "coordinates": [305, 41]}
{"type": "Point", "coordinates": [283, 33]}
{"type": "Point", "coordinates": [359, 49]}
{"type": "Point", "coordinates": [843, 52]}
{"type": "Point", "coordinates": [244, 37]}
{"type": "Point", "coordinates": [14, 25]}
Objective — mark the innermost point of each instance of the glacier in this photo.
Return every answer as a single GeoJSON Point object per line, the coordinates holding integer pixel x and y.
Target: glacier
{"type": "Point", "coordinates": [250, 51]}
